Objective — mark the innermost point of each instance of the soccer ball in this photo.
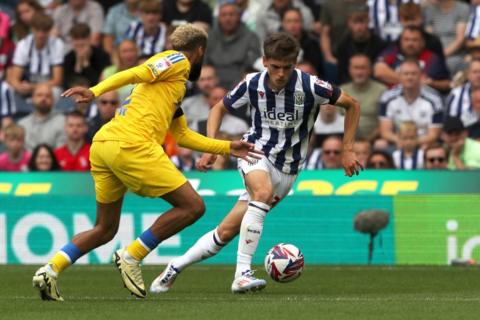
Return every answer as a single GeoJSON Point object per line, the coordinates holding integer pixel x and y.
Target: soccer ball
{"type": "Point", "coordinates": [284, 262]}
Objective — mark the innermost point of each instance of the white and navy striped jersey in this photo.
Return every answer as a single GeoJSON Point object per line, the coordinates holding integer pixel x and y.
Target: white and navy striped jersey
{"type": "Point", "coordinates": [38, 63]}
{"type": "Point", "coordinates": [472, 31]}
{"type": "Point", "coordinates": [148, 44]}
{"type": "Point", "coordinates": [384, 18]}
{"type": "Point", "coordinates": [403, 162]}
{"type": "Point", "coordinates": [459, 105]}
{"type": "Point", "coordinates": [282, 121]}
{"type": "Point", "coordinates": [426, 111]}
{"type": "Point", "coordinates": [7, 102]}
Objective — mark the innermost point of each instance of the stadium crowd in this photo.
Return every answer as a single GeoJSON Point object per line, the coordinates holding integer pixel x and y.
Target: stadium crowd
{"type": "Point", "coordinates": [414, 66]}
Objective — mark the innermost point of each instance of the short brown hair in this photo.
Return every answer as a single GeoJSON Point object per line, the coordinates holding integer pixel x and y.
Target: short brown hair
{"type": "Point", "coordinates": [281, 46]}
{"type": "Point", "coordinates": [408, 11]}
{"type": "Point", "coordinates": [14, 131]}
{"type": "Point", "coordinates": [80, 31]}
{"type": "Point", "coordinates": [188, 37]}
{"type": "Point", "coordinates": [433, 147]}
{"type": "Point", "coordinates": [42, 22]}
{"type": "Point", "coordinates": [151, 6]}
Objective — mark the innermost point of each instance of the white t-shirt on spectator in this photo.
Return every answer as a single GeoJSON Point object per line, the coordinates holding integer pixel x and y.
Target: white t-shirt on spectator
{"type": "Point", "coordinates": [38, 63]}
{"type": "Point", "coordinates": [425, 111]}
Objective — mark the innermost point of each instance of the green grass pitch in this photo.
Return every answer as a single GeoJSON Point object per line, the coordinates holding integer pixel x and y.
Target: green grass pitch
{"type": "Point", "coordinates": [203, 292]}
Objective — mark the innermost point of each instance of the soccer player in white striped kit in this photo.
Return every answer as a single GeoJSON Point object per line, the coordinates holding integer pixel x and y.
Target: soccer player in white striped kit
{"type": "Point", "coordinates": [284, 104]}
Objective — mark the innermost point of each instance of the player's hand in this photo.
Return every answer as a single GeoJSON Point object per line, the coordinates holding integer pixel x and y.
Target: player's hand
{"type": "Point", "coordinates": [245, 150]}
{"type": "Point", "coordinates": [206, 162]}
{"type": "Point", "coordinates": [83, 95]}
{"type": "Point", "coordinates": [350, 163]}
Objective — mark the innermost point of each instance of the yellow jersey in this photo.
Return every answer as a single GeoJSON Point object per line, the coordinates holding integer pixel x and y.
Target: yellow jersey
{"type": "Point", "coordinates": [147, 113]}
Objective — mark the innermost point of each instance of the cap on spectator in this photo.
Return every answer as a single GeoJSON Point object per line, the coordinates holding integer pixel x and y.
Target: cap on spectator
{"type": "Point", "coordinates": [453, 124]}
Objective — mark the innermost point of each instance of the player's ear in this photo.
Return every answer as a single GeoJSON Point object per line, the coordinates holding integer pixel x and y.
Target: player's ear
{"type": "Point", "coordinates": [265, 60]}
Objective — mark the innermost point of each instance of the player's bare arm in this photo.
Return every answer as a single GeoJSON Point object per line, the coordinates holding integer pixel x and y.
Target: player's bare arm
{"type": "Point", "coordinates": [350, 163]}
{"type": "Point", "coordinates": [213, 125]}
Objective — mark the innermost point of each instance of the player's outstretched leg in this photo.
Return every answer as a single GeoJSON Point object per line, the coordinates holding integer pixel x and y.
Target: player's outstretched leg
{"type": "Point", "coordinates": [188, 207]}
{"type": "Point", "coordinates": [206, 246]}
{"type": "Point", "coordinates": [260, 188]}
{"type": "Point", "coordinates": [106, 226]}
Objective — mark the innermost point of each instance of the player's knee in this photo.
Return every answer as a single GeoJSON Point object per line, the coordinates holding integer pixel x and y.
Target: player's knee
{"type": "Point", "coordinates": [264, 196]}
{"type": "Point", "coordinates": [196, 209]}
{"type": "Point", "coordinates": [106, 233]}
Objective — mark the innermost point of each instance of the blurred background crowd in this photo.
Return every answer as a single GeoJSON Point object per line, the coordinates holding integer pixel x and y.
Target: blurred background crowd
{"type": "Point", "coordinates": [413, 65]}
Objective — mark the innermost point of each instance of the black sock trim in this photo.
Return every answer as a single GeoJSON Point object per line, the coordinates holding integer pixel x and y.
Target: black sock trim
{"type": "Point", "coordinates": [217, 242]}
{"type": "Point", "coordinates": [255, 206]}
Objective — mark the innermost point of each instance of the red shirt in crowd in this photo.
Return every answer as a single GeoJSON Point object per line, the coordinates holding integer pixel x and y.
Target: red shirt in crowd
{"type": "Point", "coordinates": [73, 162]}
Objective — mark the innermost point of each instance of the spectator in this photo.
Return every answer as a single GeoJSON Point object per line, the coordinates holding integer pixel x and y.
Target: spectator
{"type": "Point", "coordinates": [38, 58]}
{"type": "Point", "coordinates": [117, 21]}
{"type": "Point", "coordinates": [474, 124]}
{"type": "Point", "coordinates": [381, 144]}
{"type": "Point", "coordinates": [185, 160]}
{"type": "Point", "coordinates": [43, 125]}
{"type": "Point", "coordinates": [149, 33]}
{"type": "Point", "coordinates": [385, 18]}
{"type": "Point", "coordinates": [16, 157]}
{"type": "Point", "coordinates": [43, 159]}
{"type": "Point", "coordinates": [464, 152]}
{"type": "Point", "coordinates": [7, 106]}
{"type": "Point", "coordinates": [232, 48]}
{"type": "Point", "coordinates": [248, 10]}
{"type": "Point", "coordinates": [380, 159]}
{"type": "Point", "coordinates": [460, 101]}
{"type": "Point", "coordinates": [79, 11]}
{"type": "Point", "coordinates": [362, 149]}
{"type": "Point", "coordinates": [411, 101]}
{"type": "Point", "coordinates": [84, 60]}
{"type": "Point", "coordinates": [447, 19]}
{"type": "Point", "coordinates": [196, 106]}
{"type": "Point", "coordinates": [7, 48]}
{"type": "Point", "coordinates": [269, 17]}
{"type": "Point", "coordinates": [24, 12]}
{"type": "Point", "coordinates": [334, 20]}
{"type": "Point", "coordinates": [178, 12]}
{"type": "Point", "coordinates": [232, 127]}
{"type": "Point", "coordinates": [126, 56]}
{"type": "Point", "coordinates": [436, 157]}
{"type": "Point", "coordinates": [307, 67]}
{"type": "Point", "coordinates": [107, 104]}
{"type": "Point", "coordinates": [292, 23]}
{"type": "Point", "coordinates": [329, 122]}
{"type": "Point", "coordinates": [327, 157]}
{"type": "Point", "coordinates": [358, 39]}
{"type": "Point", "coordinates": [411, 16]}
{"type": "Point", "coordinates": [412, 46]}
{"type": "Point", "coordinates": [74, 155]}
{"type": "Point", "coordinates": [367, 92]}
{"type": "Point", "coordinates": [408, 156]}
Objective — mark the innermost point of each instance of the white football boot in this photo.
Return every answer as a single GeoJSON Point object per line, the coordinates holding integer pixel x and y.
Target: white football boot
{"type": "Point", "coordinates": [45, 280]}
{"type": "Point", "coordinates": [165, 280]}
{"type": "Point", "coordinates": [247, 283]}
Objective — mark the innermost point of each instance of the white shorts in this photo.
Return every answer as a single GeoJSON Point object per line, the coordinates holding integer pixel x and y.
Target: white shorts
{"type": "Point", "coordinates": [282, 183]}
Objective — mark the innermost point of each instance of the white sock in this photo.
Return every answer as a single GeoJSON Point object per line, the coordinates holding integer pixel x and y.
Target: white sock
{"type": "Point", "coordinates": [250, 233]}
{"type": "Point", "coordinates": [205, 247]}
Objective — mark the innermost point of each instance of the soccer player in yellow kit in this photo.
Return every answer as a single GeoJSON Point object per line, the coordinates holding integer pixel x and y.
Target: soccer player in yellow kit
{"type": "Point", "coordinates": [127, 153]}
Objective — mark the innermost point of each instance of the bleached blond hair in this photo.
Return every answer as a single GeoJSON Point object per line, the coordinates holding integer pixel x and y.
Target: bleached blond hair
{"type": "Point", "coordinates": [188, 37]}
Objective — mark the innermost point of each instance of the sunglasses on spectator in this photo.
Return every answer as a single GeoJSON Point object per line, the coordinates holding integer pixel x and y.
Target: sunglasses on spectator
{"type": "Point", "coordinates": [335, 152]}
{"type": "Point", "coordinates": [112, 102]}
{"type": "Point", "coordinates": [436, 159]}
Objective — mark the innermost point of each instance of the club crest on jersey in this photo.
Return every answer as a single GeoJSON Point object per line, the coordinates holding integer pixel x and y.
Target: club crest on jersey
{"type": "Point", "coordinates": [299, 97]}
{"type": "Point", "coordinates": [262, 94]}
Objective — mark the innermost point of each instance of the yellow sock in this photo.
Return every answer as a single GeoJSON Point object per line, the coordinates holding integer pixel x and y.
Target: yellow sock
{"type": "Point", "coordinates": [59, 262]}
{"type": "Point", "coordinates": [137, 250]}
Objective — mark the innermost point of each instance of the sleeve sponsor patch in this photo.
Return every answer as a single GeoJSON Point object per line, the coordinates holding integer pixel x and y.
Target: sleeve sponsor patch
{"type": "Point", "coordinates": [323, 84]}
{"type": "Point", "coordinates": [159, 66]}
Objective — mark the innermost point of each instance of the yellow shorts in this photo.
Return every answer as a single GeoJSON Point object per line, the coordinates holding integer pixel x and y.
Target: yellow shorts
{"type": "Point", "coordinates": [142, 168]}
